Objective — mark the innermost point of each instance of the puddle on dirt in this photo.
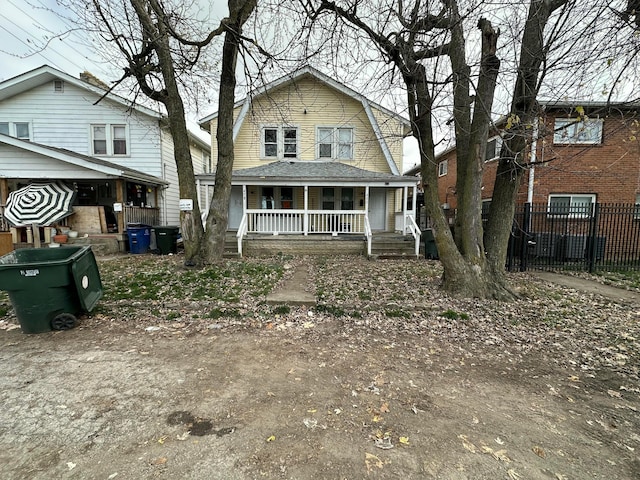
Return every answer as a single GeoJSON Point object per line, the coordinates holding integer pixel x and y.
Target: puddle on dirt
{"type": "Point", "coordinates": [198, 427]}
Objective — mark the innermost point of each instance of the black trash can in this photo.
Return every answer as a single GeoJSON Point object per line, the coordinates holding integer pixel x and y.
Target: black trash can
{"type": "Point", "coordinates": [48, 287]}
{"type": "Point", "coordinates": [167, 239]}
{"type": "Point", "coordinates": [430, 249]}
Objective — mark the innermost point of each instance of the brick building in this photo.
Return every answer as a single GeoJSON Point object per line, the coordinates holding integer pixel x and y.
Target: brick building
{"type": "Point", "coordinates": [585, 153]}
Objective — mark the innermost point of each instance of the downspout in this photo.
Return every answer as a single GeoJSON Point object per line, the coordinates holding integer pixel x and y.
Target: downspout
{"type": "Point", "coordinates": [532, 168]}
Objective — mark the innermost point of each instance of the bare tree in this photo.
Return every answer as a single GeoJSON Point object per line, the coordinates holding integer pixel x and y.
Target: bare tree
{"type": "Point", "coordinates": [413, 38]}
{"type": "Point", "coordinates": [161, 44]}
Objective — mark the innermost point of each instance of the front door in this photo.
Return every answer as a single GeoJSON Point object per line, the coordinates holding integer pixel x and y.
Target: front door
{"type": "Point", "coordinates": [377, 209]}
{"type": "Point", "coordinates": [235, 208]}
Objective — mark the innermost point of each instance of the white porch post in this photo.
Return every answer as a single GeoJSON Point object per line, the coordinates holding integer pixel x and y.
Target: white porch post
{"type": "Point", "coordinates": [366, 200]}
{"type": "Point", "coordinates": [199, 194]}
{"type": "Point", "coordinates": [405, 197]}
{"type": "Point", "coordinates": [244, 200]}
{"type": "Point", "coordinates": [305, 221]}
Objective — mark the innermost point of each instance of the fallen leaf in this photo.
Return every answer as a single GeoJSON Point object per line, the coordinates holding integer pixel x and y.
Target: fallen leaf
{"type": "Point", "coordinates": [159, 461]}
{"type": "Point", "coordinates": [271, 438]}
{"type": "Point", "coordinates": [538, 451]}
{"type": "Point", "coordinates": [404, 440]}
{"type": "Point", "coordinates": [513, 475]}
{"type": "Point", "coordinates": [161, 440]}
{"type": "Point", "coordinates": [71, 465]}
{"type": "Point", "coordinates": [467, 444]}
{"type": "Point", "coordinates": [372, 461]}
{"type": "Point", "coordinates": [384, 408]}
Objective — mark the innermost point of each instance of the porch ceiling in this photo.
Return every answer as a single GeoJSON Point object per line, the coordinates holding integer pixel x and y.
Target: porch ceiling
{"type": "Point", "coordinates": [312, 173]}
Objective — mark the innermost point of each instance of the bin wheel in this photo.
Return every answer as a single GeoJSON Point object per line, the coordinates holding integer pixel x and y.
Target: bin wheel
{"type": "Point", "coordinates": [63, 321]}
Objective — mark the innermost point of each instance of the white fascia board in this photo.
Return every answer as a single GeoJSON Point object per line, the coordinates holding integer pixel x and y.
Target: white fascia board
{"type": "Point", "coordinates": [383, 143]}
{"type": "Point", "coordinates": [241, 116]}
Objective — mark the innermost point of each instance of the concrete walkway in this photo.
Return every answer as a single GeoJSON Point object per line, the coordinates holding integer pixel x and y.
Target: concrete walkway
{"type": "Point", "coordinates": [590, 286]}
{"type": "Point", "coordinates": [292, 291]}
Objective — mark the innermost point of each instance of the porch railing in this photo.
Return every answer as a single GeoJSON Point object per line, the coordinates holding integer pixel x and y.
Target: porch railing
{"type": "Point", "coordinates": [368, 233]}
{"type": "Point", "coordinates": [144, 215]}
{"type": "Point", "coordinates": [332, 222]}
{"type": "Point", "coordinates": [414, 230]}
{"type": "Point", "coordinates": [242, 231]}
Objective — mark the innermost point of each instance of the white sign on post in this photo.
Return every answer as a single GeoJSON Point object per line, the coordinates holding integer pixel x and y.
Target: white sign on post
{"type": "Point", "coordinates": [186, 205]}
{"type": "Point", "coordinates": [117, 207]}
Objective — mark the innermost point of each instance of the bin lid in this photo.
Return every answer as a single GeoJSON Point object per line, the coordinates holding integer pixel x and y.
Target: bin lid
{"type": "Point", "coordinates": [87, 280]}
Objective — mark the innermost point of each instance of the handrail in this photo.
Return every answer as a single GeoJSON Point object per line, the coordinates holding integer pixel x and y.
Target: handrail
{"type": "Point", "coordinates": [368, 234]}
{"type": "Point", "coordinates": [414, 229]}
{"type": "Point", "coordinates": [242, 231]}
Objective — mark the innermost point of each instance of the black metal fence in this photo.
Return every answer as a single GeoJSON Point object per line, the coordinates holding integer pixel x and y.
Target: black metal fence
{"type": "Point", "coordinates": [591, 236]}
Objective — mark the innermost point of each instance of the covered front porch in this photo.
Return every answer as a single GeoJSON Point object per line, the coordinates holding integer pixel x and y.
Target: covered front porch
{"type": "Point", "coordinates": [317, 199]}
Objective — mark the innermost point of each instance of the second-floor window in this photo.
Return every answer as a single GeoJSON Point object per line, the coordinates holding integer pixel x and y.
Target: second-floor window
{"type": "Point", "coordinates": [443, 167]}
{"type": "Point", "coordinates": [569, 131]}
{"type": "Point", "coordinates": [109, 140]}
{"type": "Point", "coordinates": [335, 143]}
{"type": "Point", "coordinates": [493, 149]}
{"type": "Point", "coordinates": [19, 130]}
{"type": "Point", "coordinates": [280, 142]}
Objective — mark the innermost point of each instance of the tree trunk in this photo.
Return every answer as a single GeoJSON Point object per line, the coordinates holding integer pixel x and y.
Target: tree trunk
{"type": "Point", "coordinates": [513, 163]}
{"type": "Point", "coordinates": [218, 218]}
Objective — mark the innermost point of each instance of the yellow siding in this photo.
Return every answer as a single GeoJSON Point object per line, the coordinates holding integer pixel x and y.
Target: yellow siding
{"type": "Point", "coordinates": [324, 106]}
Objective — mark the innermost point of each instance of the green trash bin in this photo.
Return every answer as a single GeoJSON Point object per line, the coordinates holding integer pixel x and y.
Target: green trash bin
{"type": "Point", "coordinates": [48, 287]}
{"type": "Point", "coordinates": [167, 239]}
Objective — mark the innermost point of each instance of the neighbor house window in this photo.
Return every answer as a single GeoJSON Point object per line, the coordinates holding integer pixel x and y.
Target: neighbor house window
{"type": "Point", "coordinates": [58, 86]}
{"type": "Point", "coordinates": [19, 130]}
{"type": "Point", "coordinates": [119, 136]}
{"type": "Point", "coordinates": [575, 131]}
{"type": "Point", "coordinates": [99, 139]}
{"type": "Point", "coordinates": [335, 143]}
{"type": "Point", "coordinates": [109, 140]}
{"type": "Point", "coordinates": [493, 149]}
{"type": "Point", "coordinates": [571, 205]}
{"type": "Point", "coordinates": [442, 168]}
{"type": "Point", "coordinates": [280, 142]}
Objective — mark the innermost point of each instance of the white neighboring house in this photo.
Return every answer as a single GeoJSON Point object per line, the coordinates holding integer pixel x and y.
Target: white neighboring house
{"type": "Point", "coordinates": [54, 126]}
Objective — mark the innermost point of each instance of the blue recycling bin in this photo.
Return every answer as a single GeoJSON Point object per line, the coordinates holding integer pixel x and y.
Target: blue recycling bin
{"type": "Point", "coordinates": [139, 237]}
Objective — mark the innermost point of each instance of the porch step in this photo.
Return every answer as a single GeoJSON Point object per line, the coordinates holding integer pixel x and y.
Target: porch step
{"type": "Point", "coordinates": [393, 247]}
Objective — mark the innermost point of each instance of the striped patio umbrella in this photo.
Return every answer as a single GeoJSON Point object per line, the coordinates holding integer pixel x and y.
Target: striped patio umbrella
{"type": "Point", "coordinates": [40, 204]}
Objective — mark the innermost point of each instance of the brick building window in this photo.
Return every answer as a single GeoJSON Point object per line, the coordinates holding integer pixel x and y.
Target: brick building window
{"type": "Point", "coordinates": [571, 205]}
{"type": "Point", "coordinates": [571, 131]}
{"type": "Point", "coordinates": [443, 167]}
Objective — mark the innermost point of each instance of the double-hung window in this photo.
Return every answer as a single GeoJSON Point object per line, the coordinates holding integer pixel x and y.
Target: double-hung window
{"type": "Point", "coordinates": [493, 149]}
{"type": "Point", "coordinates": [571, 205]}
{"type": "Point", "coordinates": [335, 143]}
{"type": "Point", "coordinates": [280, 142]}
{"type": "Point", "coordinates": [109, 139]}
{"type": "Point", "coordinates": [19, 130]}
{"type": "Point", "coordinates": [573, 131]}
{"type": "Point", "coordinates": [443, 167]}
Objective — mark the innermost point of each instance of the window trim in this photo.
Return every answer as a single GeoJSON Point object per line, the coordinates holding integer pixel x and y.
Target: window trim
{"type": "Point", "coordinates": [570, 213]}
{"type": "Point", "coordinates": [336, 143]}
{"type": "Point", "coordinates": [280, 142]}
{"type": "Point", "coordinates": [12, 130]}
{"type": "Point", "coordinates": [498, 140]}
{"type": "Point", "coordinates": [109, 133]}
{"type": "Point", "coordinates": [565, 124]}
{"type": "Point", "coordinates": [443, 168]}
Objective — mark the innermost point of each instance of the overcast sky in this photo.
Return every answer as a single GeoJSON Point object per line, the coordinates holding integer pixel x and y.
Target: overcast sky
{"type": "Point", "coordinates": [32, 35]}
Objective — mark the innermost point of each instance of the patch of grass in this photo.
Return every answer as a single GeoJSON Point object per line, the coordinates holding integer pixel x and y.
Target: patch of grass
{"type": "Point", "coordinates": [330, 309]}
{"type": "Point", "coordinates": [223, 312]}
{"type": "Point", "coordinates": [281, 309]}
{"type": "Point", "coordinates": [4, 310]}
{"type": "Point", "coordinates": [453, 315]}
{"type": "Point", "coordinates": [364, 295]}
{"type": "Point", "coordinates": [396, 313]}
{"type": "Point", "coordinates": [173, 315]}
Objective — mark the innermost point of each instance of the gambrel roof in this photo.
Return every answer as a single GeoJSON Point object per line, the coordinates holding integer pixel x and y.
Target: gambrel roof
{"type": "Point", "coordinates": [307, 71]}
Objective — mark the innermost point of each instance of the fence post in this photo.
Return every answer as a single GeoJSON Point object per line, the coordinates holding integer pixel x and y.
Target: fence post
{"type": "Point", "coordinates": [593, 236]}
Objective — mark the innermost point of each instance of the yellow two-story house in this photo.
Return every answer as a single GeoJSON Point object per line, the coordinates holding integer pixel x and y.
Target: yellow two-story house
{"type": "Point", "coordinates": [314, 157]}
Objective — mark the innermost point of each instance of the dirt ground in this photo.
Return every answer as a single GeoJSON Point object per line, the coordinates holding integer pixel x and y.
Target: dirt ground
{"type": "Point", "coordinates": [315, 395]}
